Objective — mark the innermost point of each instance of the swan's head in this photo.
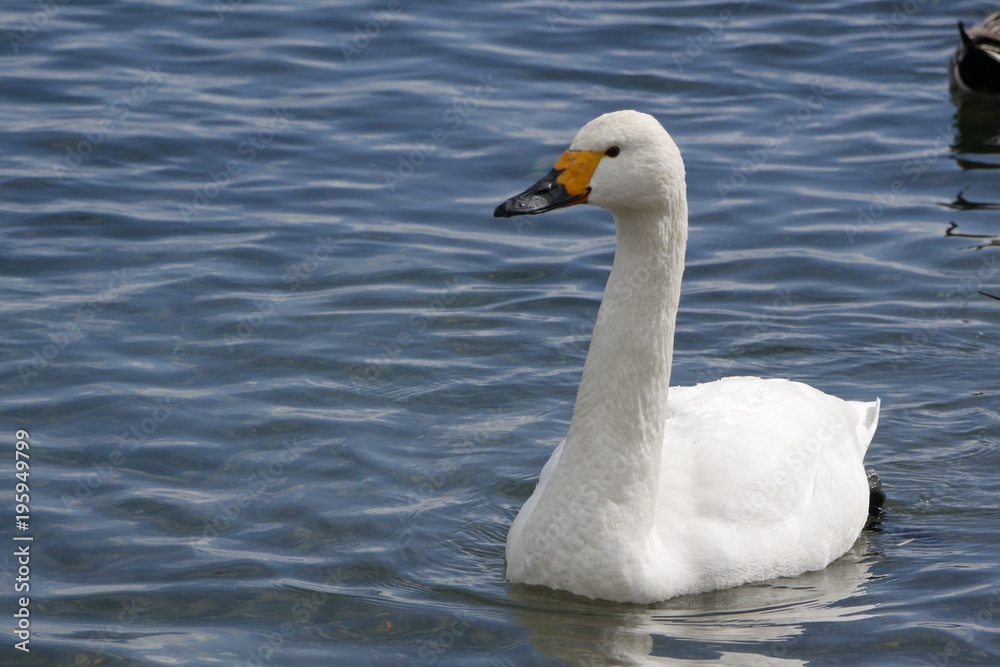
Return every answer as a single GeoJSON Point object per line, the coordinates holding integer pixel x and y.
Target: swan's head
{"type": "Point", "coordinates": [621, 161]}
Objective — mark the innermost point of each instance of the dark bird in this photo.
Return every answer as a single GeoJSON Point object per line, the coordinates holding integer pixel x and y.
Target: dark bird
{"type": "Point", "coordinates": [975, 67]}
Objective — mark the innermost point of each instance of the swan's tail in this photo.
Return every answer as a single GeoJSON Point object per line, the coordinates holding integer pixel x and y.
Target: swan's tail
{"type": "Point", "coordinates": [867, 422]}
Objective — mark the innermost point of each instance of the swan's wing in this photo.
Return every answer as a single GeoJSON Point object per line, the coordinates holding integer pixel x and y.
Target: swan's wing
{"type": "Point", "coordinates": [752, 451]}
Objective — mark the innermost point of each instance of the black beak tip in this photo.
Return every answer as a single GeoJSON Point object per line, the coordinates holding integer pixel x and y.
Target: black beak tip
{"type": "Point", "coordinates": [545, 195]}
{"type": "Point", "coordinates": [513, 207]}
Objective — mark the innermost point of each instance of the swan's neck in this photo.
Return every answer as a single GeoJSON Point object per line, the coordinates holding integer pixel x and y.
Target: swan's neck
{"type": "Point", "coordinates": [611, 460]}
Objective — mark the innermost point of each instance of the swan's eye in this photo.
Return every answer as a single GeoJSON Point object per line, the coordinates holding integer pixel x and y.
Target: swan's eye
{"type": "Point", "coordinates": [613, 151]}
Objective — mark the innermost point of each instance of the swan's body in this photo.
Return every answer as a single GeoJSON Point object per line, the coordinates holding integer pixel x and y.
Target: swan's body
{"type": "Point", "coordinates": [975, 67]}
{"type": "Point", "coordinates": [737, 480]}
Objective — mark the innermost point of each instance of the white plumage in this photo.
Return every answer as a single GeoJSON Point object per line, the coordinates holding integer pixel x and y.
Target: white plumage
{"type": "Point", "coordinates": [656, 492]}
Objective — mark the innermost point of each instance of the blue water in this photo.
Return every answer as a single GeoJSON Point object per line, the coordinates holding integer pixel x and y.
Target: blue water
{"type": "Point", "coordinates": [287, 381]}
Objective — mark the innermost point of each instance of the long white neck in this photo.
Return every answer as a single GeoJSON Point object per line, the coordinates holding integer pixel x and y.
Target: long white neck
{"type": "Point", "coordinates": [610, 464]}
{"type": "Point", "coordinates": [616, 437]}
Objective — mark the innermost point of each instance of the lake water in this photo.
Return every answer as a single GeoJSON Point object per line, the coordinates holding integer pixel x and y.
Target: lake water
{"type": "Point", "coordinates": [287, 381]}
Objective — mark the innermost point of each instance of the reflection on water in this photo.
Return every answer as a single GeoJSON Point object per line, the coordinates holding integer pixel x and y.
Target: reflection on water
{"type": "Point", "coordinates": [750, 625]}
{"type": "Point", "coordinates": [977, 132]}
{"type": "Point", "coordinates": [993, 239]}
{"type": "Point", "coordinates": [963, 204]}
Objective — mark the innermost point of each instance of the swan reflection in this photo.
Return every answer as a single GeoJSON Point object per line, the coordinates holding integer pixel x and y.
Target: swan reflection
{"type": "Point", "coordinates": [753, 625]}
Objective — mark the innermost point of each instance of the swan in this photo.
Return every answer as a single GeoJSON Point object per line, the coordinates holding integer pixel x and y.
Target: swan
{"type": "Point", "coordinates": [975, 67]}
{"type": "Point", "coordinates": [660, 491]}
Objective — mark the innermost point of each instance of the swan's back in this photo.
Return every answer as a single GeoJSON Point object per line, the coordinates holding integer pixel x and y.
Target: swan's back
{"type": "Point", "coordinates": [762, 478]}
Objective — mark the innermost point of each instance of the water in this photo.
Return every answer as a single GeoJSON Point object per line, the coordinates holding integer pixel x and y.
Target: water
{"type": "Point", "coordinates": [287, 381]}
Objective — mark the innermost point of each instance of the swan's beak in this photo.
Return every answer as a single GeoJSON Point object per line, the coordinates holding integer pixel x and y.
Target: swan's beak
{"type": "Point", "coordinates": [567, 184]}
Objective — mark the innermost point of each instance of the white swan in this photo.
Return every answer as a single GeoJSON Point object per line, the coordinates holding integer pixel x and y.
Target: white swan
{"type": "Point", "coordinates": [737, 480]}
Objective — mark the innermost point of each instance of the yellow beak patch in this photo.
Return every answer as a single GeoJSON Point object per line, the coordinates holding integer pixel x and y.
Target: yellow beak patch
{"type": "Point", "coordinates": [576, 168]}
